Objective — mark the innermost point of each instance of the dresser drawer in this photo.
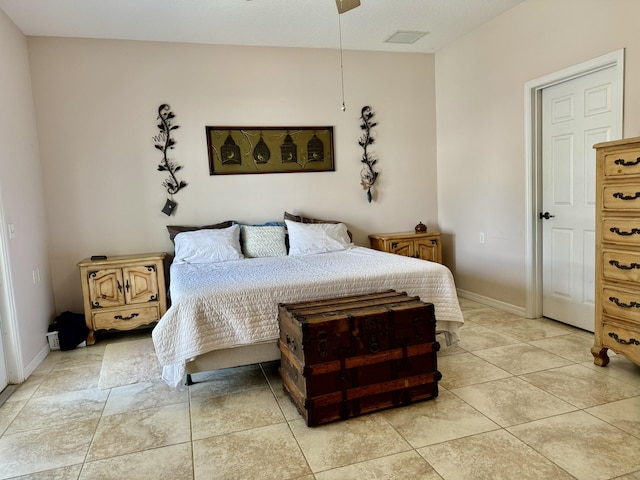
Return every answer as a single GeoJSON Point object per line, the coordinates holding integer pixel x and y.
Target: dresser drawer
{"type": "Point", "coordinates": [621, 303]}
{"type": "Point", "coordinates": [621, 197]}
{"type": "Point", "coordinates": [622, 163]}
{"type": "Point", "coordinates": [621, 266]}
{"type": "Point", "coordinates": [622, 339]}
{"type": "Point", "coordinates": [621, 231]}
{"type": "Point", "coordinates": [126, 318]}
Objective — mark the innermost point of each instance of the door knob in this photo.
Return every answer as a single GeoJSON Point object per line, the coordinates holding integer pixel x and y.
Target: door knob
{"type": "Point", "coordinates": [546, 215]}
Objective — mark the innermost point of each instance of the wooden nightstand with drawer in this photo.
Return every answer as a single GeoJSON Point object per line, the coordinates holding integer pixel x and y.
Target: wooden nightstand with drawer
{"type": "Point", "coordinates": [425, 246]}
{"type": "Point", "coordinates": [123, 292]}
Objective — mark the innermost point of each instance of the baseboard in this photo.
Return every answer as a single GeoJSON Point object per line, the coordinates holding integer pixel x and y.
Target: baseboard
{"type": "Point", "coordinates": [492, 302]}
{"type": "Point", "coordinates": [6, 393]}
{"type": "Point", "coordinates": [38, 359]}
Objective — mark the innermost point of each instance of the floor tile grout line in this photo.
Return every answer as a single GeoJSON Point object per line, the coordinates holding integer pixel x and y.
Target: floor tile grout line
{"type": "Point", "coordinates": [609, 423]}
{"type": "Point", "coordinates": [576, 407]}
{"type": "Point", "coordinates": [538, 452]}
{"type": "Point", "coordinates": [306, 460]}
{"type": "Point", "coordinates": [413, 448]}
{"type": "Point", "coordinates": [120, 455]}
{"type": "Point", "coordinates": [93, 436]}
{"type": "Point", "coordinates": [191, 440]}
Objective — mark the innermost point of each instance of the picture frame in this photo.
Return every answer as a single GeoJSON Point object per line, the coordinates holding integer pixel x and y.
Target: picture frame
{"type": "Point", "coordinates": [250, 150]}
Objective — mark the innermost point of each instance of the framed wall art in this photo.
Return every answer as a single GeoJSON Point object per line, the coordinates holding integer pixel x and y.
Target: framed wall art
{"type": "Point", "coordinates": [243, 150]}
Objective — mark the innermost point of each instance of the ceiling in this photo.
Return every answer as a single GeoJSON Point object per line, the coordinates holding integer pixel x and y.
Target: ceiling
{"type": "Point", "coordinates": [283, 23]}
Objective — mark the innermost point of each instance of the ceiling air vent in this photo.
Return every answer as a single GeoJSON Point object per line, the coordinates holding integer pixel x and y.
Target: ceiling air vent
{"type": "Point", "coordinates": [405, 36]}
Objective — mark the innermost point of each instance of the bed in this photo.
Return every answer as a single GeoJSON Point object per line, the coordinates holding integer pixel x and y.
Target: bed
{"type": "Point", "coordinates": [224, 306]}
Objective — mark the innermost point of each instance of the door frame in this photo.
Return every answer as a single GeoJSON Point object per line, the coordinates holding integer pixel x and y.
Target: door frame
{"type": "Point", "coordinates": [533, 161]}
{"type": "Point", "coordinates": [8, 323]}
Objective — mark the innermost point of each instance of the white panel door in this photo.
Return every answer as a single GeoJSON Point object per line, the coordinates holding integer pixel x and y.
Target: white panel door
{"type": "Point", "coordinates": [576, 114]}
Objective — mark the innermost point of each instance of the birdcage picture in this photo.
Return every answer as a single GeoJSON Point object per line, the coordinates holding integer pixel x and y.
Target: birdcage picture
{"type": "Point", "coordinates": [230, 152]}
{"type": "Point", "coordinates": [245, 150]}
{"type": "Point", "coordinates": [288, 150]}
{"type": "Point", "coordinates": [261, 152]}
{"type": "Point", "coordinates": [315, 149]}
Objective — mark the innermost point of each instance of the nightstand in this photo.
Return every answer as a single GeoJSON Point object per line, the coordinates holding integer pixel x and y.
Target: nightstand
{"type": "Point", "coordinates": [123, 292]}
{"type": "Point", "coordinates": [425, 246]}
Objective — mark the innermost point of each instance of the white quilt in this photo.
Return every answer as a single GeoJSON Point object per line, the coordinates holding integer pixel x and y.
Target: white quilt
{"type": "Point", "coordinates": [235, 303]}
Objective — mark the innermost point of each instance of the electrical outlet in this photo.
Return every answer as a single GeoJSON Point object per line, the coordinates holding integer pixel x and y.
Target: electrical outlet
{"type": "Point", "coordinates": [481, 237]}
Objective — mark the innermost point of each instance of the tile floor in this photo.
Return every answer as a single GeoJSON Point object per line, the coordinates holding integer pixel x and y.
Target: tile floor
{"type": "Point", "coordinates": [518, 399]}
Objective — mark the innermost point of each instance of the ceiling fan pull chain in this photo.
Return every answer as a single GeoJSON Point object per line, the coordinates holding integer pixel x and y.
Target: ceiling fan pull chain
{"type": "Point", "coordinates": [344, 107]}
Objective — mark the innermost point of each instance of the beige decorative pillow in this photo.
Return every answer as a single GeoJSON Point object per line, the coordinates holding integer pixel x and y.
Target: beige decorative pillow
{"type": "Point", "coordinates": [263, 241]}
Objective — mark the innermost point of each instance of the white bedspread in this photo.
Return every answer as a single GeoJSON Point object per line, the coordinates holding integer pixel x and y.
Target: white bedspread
{"type": "Point", "coordinates": [229, 304]}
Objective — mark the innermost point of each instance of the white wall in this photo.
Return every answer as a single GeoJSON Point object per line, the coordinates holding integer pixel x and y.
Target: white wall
{"type": "Point", "coordinates": [22, 200]}
{"type": "Point", "coordinates": [96, 104]}
{"type": "Point", "coordinates": [480, 123]}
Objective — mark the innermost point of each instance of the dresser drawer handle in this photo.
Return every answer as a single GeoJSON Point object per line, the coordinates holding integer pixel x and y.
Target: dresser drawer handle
{"type": "Point", "coordinates": [622, 196]}
{"type": "Point", "coordinates": [616, 230]}
{"type": "Point", "coordinates": [620, 161]}
{"type": "Point", "coordinates": [631, 341]}
{"type": "Point", "coordinates": [120, 317]}
{"type": "Point", "coordinates": [394, 244]}
{"type": "Point", "coordinates": [616, 264]}
{"type": "Point", "coordinates": [624, 305]}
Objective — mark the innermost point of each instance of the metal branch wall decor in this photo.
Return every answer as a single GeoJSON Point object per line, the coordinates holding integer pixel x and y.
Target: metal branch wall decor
{"type": "Point", "coordinates": [368, 175]}
{"type": "Point", "coordinates": [164, 142]}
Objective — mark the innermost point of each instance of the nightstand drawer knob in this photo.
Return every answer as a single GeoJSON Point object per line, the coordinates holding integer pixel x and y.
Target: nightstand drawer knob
{"type": "Point", "coordinates": [120, 317]}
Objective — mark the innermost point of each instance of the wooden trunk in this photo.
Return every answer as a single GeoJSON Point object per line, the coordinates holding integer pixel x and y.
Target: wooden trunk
{"type": "Point", "coordinates": [347, 356]}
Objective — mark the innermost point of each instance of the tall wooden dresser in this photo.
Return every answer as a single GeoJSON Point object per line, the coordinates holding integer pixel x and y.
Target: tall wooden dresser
{"type": "Point", "coordinates": [617, 304]}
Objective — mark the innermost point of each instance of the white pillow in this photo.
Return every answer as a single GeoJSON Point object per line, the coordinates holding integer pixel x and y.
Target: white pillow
{"type": "Point", "coordinates": [263, 241]}
{"type": "Point", "coordinates": [208, 246]}
{"type": "Point", "coordinates": [307, 238]}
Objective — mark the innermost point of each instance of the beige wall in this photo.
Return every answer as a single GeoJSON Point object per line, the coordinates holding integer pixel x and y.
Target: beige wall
{"type": "Point", "coordinates": [480, 122]}
{"type": "Point", "coordinates": [29, 308]}
{"type": "Point", "coordinates": [96, 104]}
